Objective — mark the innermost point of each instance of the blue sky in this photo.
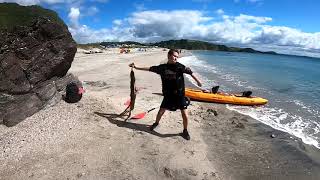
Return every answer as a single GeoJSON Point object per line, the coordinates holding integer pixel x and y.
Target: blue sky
{"type": "Point", "coordinates": [285, 26]}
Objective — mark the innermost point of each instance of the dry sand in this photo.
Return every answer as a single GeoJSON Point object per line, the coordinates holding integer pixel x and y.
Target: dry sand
{"type": "Point", "coordinates": [87, 140]}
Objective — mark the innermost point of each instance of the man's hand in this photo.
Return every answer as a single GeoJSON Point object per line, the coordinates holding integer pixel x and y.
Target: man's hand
{"type": "Point", "coordinates": [132, 65]}
{"type": "Point", "coordinates": [139, 68]}
{"type": "Point", "coordinates": [205, 90]}
{"type": "Point", "coordinates": [196, 79]}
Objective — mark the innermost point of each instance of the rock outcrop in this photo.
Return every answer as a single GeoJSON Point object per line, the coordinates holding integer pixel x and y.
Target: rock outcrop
{"type": "Point", "coordinates": [33, 63]}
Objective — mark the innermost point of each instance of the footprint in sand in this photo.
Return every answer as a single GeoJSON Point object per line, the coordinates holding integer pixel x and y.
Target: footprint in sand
{"type": "Point", "coordinates": [189, 152]}
{"type": "Point", "coordinates": [98, 84]}
{"type": "Point", "coordinates": [211, 175]}
{"type": "Point", "coordinates": [179, 173]}
{"type": "Point", "coordinates": [137, 133]}
{"type": "Point", "coordinates": [190, 171]}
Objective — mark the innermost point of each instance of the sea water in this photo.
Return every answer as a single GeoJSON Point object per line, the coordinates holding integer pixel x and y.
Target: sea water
{"type": "Point", "coordinates": [290, 83]}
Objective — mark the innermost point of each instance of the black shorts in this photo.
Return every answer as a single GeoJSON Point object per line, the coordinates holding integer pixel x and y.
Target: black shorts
{"type": "Point", "coordinates": [173, 103]}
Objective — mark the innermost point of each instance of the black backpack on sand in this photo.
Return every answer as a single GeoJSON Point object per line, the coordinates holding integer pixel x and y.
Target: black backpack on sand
{"type": "Point", "coordinates": [73, 92]}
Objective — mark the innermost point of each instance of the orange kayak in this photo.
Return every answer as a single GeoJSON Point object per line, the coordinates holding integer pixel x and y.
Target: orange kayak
{"type": "Point", "coordinates": [224, 98]}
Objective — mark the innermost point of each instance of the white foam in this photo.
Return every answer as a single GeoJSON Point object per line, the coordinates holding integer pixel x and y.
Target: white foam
{"type": "Point", "coordinates": [196, 63]}
{"type": "Point", "coordinates": [274, 117]}
{"type": "Point", "coordinates": [303, 127]}
{"type": "Point", "coordinates": [278, 119]}
{"type": "Point", "coordinates": [308, 108]}
{"type": "Point", "coordinates": [193, 61]}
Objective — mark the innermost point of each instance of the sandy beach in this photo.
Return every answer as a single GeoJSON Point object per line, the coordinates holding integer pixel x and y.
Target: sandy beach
{"type": "Point", "coordinates": [87, 140]}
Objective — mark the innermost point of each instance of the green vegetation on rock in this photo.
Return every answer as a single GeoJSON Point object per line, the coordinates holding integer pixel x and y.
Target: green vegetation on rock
{"type": "Point", "coordinates": [12, 14]}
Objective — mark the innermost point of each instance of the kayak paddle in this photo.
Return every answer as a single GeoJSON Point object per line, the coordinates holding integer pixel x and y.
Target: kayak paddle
{"type": "Point", "coordinates": [141, 115]}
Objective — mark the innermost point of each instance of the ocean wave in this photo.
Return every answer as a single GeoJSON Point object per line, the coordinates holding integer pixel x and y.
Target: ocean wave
{"type": "Point", "coordinates": [307, 108]}
{"type": "Point", "coordinates": [202, 67]}
{"type": "Point", "coordinates": [283, 112]}
{"type": "Point", "coordinates": [193, 61]}
{"type": "Point", "coordinates": [278, 119]}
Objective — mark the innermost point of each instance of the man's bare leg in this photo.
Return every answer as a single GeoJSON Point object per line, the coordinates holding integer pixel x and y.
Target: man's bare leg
{"type": "Point", "coordinates": [185, 133]}
{"type": "Point", "coordinates": [159, 115]}
{"type": "Point", "coordinates": [184, 118]}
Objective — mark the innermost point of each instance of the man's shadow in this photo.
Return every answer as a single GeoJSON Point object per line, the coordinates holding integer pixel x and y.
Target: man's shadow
{"type": "Point", "coordinates": [113, 118]}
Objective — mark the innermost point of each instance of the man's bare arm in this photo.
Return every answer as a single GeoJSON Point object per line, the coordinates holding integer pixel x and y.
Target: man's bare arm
{"type": "Point", "coordinates": [196, 79]}
{"type": "Point", "coordinates": [199, 83]}
{"type": "Point", "coordinates": [139, 68]}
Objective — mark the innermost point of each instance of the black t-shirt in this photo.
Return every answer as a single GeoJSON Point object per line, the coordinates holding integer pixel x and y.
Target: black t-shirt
{"type": "Point", "coordinates": [172, 78]}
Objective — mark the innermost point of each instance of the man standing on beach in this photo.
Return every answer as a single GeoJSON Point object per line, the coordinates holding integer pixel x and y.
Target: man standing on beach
{"type": "Point", "coordinates": [173, 88]}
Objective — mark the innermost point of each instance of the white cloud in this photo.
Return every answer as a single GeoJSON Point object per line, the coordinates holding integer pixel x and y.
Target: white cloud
{"type": "Point", "coordinates": [92, 10]}
{"type": "Point", "coordinates": [243, 30]}
{"type": "Point", "coordinates": [85, 34]}
{"type": "Point", "coordinates": [139, 7]}
{"type": "Point", "coordinates": [219, 11]}
{"type": "Point", "coordinates": [23, 2]}
{"type": "Point", "coordinates": [225, 17]}
{"type": "Point", "coordinates": [242, 18]}
{"type": "Point", "coordinates": [145, 26]}
{"type": "Point", "coordinates": [285, 36]}
{"type": "Point", "coordinates": [117, 22]}
{"type": "Point", "coordinates": [53, 1]}
{"type": "Point", "coordinates": [166, 24]}
{"type": "Point", "coordinates": [74, 15]}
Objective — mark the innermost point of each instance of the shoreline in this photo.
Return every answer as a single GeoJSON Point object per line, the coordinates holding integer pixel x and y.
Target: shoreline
{"type": "Point", "coordinates": [302, 161]}
{"type": "Point", "coordinates": [88, 140]}
{"type": "Point", "coordinates": [282, 157]}
{"type": "Point", "coordinates": [303, 137]}
{"type": "Point", "coordinates": [245, 146]}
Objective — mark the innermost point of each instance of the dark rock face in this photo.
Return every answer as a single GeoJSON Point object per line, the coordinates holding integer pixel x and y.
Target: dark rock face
{"type": "Point", "coordinates": [15, 108]}
{"type": "Point", "coordinates": [32, 60]}
{"type": "Point", "coordinates": [30, 55]}
{"type": "Point", "coordinates": [20, 108]}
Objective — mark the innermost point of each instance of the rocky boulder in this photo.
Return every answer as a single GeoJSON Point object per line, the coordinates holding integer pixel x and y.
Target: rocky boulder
{"type": "Point", "coordinates": [34, 60]}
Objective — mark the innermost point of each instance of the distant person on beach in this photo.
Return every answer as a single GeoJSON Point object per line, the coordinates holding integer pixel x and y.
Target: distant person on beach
{"type": "Point", "coordinates": [173, 88]}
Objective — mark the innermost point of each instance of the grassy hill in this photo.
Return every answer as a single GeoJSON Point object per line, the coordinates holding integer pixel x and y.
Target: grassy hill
{"type": "Point", "coordinates": [132, 43]}
{"type": "Point", "coordinates": [190, 45]}
{"type": "Point", "coordinates": [12, 14]}
{"type": "Point", "coordinates": [201, 45]}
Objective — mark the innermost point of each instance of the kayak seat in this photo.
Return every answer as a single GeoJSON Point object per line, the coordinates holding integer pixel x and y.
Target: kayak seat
{"type": "Point", "coordinates": [215, 89]}
{"type": "Point", "coordinates": [245, 94]}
